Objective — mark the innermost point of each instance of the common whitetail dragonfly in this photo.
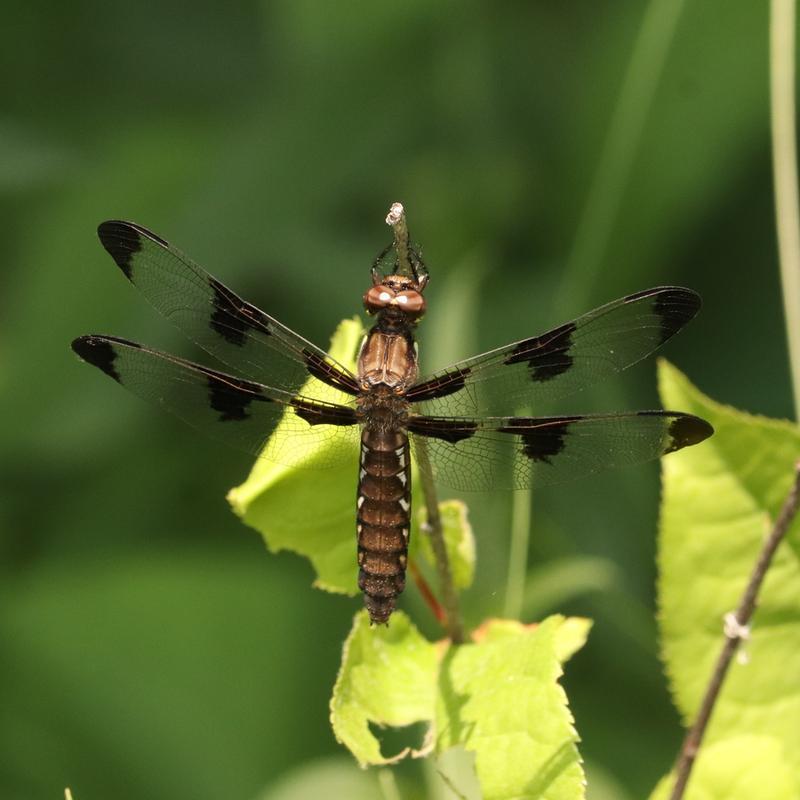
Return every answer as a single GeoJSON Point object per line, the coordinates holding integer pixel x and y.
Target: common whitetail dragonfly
{"type": "Point", "coordinates": [461, 419]}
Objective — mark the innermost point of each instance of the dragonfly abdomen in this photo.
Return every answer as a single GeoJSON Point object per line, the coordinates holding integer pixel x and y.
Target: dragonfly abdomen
{"type": "Point", "coordinates": [383, 519]}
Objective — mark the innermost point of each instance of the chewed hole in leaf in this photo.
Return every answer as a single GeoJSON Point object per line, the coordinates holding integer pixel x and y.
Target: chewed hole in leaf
{"type": "Point", "coordinates": [407, 739]}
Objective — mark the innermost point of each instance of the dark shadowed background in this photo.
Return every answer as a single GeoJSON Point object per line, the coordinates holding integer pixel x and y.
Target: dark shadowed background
{"type": "Point", "coordinates": [551, 157]}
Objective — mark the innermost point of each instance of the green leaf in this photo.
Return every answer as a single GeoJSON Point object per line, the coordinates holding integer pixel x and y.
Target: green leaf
{"type": "Point", "coordinates": [719, 501]}
{"type": "Point", "coordinates": [458, 538]}
{"type": "Point", "coordinates": [501, 699]}
{"type": "Point", "coordinates": [741, 766]}
{"type": "Point", "coordinates": [498, 697]}
{"type": "Point", "coordinates": [309, 513]}
{"type": "Point", "coordinates": [388, 677]}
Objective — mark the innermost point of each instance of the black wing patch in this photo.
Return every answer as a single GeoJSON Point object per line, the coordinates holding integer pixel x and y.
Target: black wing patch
{"type": "Point", "coordinates": [519, 452]}
{"type": "Point", "coordinates": [233, 318]}
{"type": "Point", "coordinates": [236, 332]}
{"type": "Point", "coordinates": [564, 360]}
{"type": "Point", "coordinates": [244, 414]}
{"type": "Point", "coordinates": [438, 386]}
{"type": "Point", "coordinates": [99, 352]}
{"type": "Point", "coordinates": [547, 356]}
{"type": "Point", "coordinates": [448, 430]}
{"type": "Point", "coordinates": [540, 442]}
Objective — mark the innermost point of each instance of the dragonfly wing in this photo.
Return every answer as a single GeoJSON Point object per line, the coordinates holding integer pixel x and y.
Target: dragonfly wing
{"type": "Point", "coordinates": [518, 452]}
{"type": "Point", "coordinates": [234, 331]}
{"type": "Point", "coordinates": [562, 361]}
{"type": "Point", "coordinates": [247, 415]}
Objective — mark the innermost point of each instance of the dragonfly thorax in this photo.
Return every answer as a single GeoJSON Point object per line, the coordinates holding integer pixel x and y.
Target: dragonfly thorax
{"type": "Point", "coordinates": [387, 359]}
{"type": "Point", "coordinates": [382, 409]}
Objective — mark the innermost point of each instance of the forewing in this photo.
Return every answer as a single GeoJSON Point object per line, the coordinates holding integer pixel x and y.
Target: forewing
{"type": "Point", "coordinates": [241, 413]}
{"type": "Point", "coordinates": [561, 361]}
{"type": "Point", "coordinates": [216, 318]}
{"type": "Point", "coordinates": [518, 452]}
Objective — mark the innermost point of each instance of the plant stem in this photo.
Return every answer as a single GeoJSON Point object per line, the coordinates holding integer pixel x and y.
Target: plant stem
{"type": "Point", "coordinates": [453, 623]}
{"type": "Point", "coordinates": [734, 634]}
{"type": "Point", "coordinates": [518, 548]}
{"type": "Point", "coordinates": [427, 593]}
{"type": "Point", "coordinates": [388, 785]}
{"type": "Point", "coordinates": [596, 222]}
{"type": "Point", "coordinates": [784, 167]}
{"type": "Point", "coordinates": [396, 218]}
{"type": "Point", "coordinates": [518, 554]}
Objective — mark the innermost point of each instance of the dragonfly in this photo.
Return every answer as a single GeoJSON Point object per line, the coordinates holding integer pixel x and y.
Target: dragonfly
{"type": "Point", "coordinates": [277, 390]}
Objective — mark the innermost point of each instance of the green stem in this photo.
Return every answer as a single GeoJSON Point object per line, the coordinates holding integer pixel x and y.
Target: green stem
{"type": "Point", "coordinates": [597, 220]}
{"type": "Point", "coordinates": [388, 785]}
{"type": "Point", "coordinates": [518, 554]}
{"type": "Point", "coordinates": [784, 164]}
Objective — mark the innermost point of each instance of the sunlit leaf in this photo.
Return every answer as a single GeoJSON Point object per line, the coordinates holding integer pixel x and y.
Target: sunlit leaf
{"type": "Point", "coordinates": [719, 501]}
{"type": "Point", "coordinates": [500, 698]}
{"type": "Point", "coordinates": [311, 513]}
{"type": "Point", "coordinates": [497, 697]}
{"type": "Point", "coordinates": [739, 766]}
{"type": "Point", "coordinates": [387, 677]}
{"type": "Point", "coordinates": [458, 538]}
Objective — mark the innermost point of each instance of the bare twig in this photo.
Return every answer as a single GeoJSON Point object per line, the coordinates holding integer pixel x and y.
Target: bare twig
{"type": "Point", "coordinates": [433, 526]}
{"type": "Point", "coordinates": [427, 593]}
{"type": "Point", "coordinates": [787, 219]}
{"type": "Point", "coordinates": [396, 218]}
{"type": "Point", "coordinates": [784, 167]}
{"type": "Point", "coordinates": [735, 630]}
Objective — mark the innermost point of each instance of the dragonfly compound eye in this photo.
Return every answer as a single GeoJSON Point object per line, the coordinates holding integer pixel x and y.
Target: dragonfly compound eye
{"type": "Point", "coordinates": [377, 298]}
{"type": "Point", "coordinates": [412, 302]}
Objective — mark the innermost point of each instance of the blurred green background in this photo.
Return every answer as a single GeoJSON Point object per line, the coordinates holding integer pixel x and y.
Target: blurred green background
{"type": "Point", "coordinates": [551, 157]}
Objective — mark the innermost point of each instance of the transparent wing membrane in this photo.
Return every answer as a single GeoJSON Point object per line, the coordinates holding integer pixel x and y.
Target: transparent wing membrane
{"type": "Point", "coordinates": [249, 416]}
{"type": "Point", "coordinates": [563, 360]}
{"type": "Point", "coordinates": [232, 330]}
{"type": "Point", "coordinates": [518, 452]}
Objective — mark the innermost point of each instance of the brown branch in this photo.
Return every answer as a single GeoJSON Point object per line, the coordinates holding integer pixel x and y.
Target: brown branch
{"type": "Point", "coordinates": [396, 219]}
{"type": "Point", "coordinates": [735, 631]}
{"type": "Point", "coordinates": [433, 527]}
{"type": "Point", "coordinates": [425, 590]}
